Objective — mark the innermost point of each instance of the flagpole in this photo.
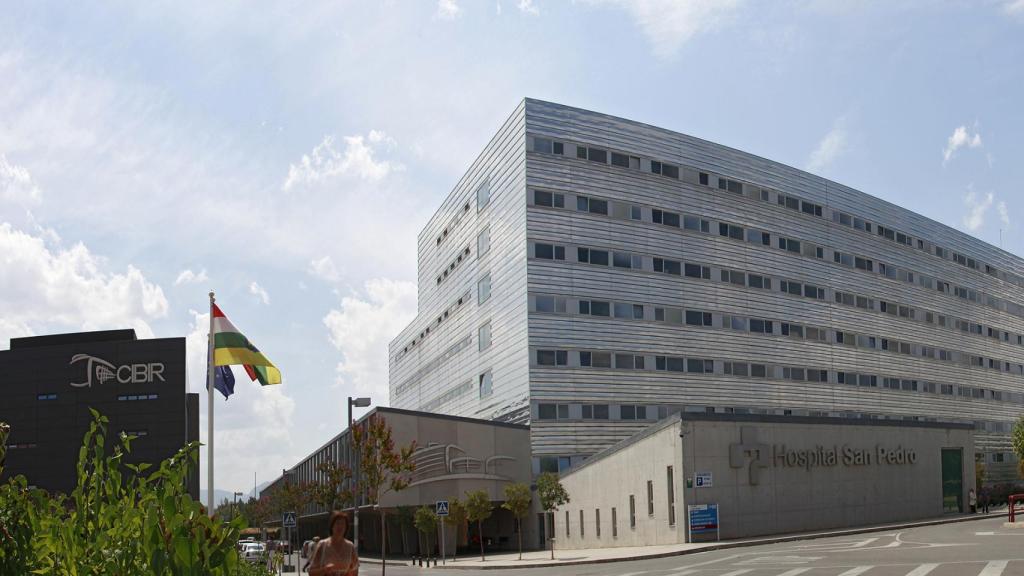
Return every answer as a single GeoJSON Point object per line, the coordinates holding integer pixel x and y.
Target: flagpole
{"type": "Point", "coordinates": [209, 414]}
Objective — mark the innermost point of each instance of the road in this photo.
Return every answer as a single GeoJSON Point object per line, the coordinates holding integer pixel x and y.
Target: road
{"type": "Point", "coordinates": [976, 548]}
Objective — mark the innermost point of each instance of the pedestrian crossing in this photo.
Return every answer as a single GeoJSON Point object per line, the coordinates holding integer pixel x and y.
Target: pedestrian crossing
{"type": "Point", "coordinates": [964, 568]}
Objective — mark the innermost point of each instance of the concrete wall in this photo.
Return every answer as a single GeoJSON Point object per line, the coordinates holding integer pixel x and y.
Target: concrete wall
{"type": "Point", "coordinates": [609, 484]}
{"type": "Point", "coordinates": [791, 499]}
{"type": "Point", "coordinates": [784, 498]}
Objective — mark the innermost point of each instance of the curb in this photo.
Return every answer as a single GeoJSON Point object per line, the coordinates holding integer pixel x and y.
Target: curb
{"type": "Point", "coordinates": [738, 544]}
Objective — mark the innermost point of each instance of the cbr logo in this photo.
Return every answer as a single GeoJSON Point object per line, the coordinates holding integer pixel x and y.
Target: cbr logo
{"type": "Point", "coordinates": [103, 371]}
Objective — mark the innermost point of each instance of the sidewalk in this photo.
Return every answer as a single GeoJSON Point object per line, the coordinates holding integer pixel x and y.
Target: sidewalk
{"type": "Point", "coordinates": [542, 558]}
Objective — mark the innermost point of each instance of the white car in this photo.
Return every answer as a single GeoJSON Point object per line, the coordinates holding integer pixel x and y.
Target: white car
{"type": "Point", "coordinates": [253, 551]}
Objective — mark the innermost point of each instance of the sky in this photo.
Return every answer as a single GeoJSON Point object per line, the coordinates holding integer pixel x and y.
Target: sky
{"type": "Point", "coordinates": [287, 154]}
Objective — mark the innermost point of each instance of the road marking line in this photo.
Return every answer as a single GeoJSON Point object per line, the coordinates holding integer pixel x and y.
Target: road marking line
{"type": "Point", "coordinates": [922, 570]}
{"type": "Point", "coordinates": [794, 572]}
{"type": "Point", "coordinates": [864, 543]}
{"type": "Point", "coordinates": [984, 533]}
{"type": "Point", "coordinates": [858, 570]}
{"type": "Point", "coordinates": [633, 573]}
{"type": "Point", "coordinates": [993, 568]}
{"type": "Point", "coordinates": [738, 572]}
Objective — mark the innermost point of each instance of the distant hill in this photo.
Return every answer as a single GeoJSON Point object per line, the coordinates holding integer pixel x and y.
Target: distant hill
{"type": "Point", "coordinates": [219, 495]}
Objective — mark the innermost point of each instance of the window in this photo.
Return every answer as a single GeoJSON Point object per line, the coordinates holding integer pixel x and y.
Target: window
{"type": "Point", "coordinates": [566, 523]}
{"type": "Point", "coordinates": [49, 397]}
{"type": "Point", "coordinates": [695, 223]}
{"type": "Point", "coordinates": [550, 199]}
{"type": "Point", "coordinates": [590, 256]}
{"type": "Point", "coordinates": [595, 155]}
{"type": "Point", "coordinates": [548, 251]}
{"type": "Point", "coordinates": [483, 242]}
{"type": "Point", "coordinates": [552, 357]}
{"type": "Point", "coordinates": [615, 524]}
{"type": "Point", "coordinates": [812, 209]}
{"type": "Point", "coordinates": [789, 245]}
{"type": "Point", "coordinates": [650, 498]}
{"type": "Point", "coordinates": [595, 411]}
{"type": "Point", "coordinates": [635, 213]}
{"type": "Point", "coordinates": [550, 304]}
{"type": "Point", "coordinates": [734, 277]}
{"type": "Point", "coordinates": [667, 266]}
{"type": "Point", "coordinates": [632, 511]}
{"type": "Point", "coordinates": [620, 160]}
{"type": "Point", "coordinates": [483, 194]}
{"type": "Point", "coordinates": [483, 289]}
{"type": "Point", "coordinates": [761, 326]}
{"type": "Point", "coordinates": [552, 411]}
{"type": "Point", "coordinates": [592, 205]}
{"type": "Point", "coordinates": [671, 497]}
{"type": "Point", "coordinates": [622, 260]}
{"type": "Point", "coordinates": [788, 202]}
{"type": "Point", "coordinates": [703, 178]}
{"type": "Point", "coordinates": [700, 366]}
{"type": "Point", "coordinates": [666, 218]}
{"type": "Point", "coordinates": [485, 385]}
{"type": "Point", "coordinates": [756, 281]}
{"type": "Point", "coordinates": [542, 145]}
{"type": "Point", "coordinates": [629, 362]}
{"type": "Point", "coordinates": [484, 337]}
{"type": "Point", "coordinates": [698, 271]}
{"type": "Point", "coordinates": [758, 370]}
{"type": "Point", "coordinates": [664, 169]}
{"type": "Point", "coordinates": [730, 185]}
{"type": "Point", "coordinates": [734, 232]}
{"type": "Point", "coordinates": [629, 412]}
{"type": "Point", "coordinates": [595, 307]}
{"type": "Point", "coordinates": [597, 522]}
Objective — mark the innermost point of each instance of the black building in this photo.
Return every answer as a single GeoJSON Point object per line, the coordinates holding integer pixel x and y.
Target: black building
{"type": "Point", "coordinates": [48, 384]}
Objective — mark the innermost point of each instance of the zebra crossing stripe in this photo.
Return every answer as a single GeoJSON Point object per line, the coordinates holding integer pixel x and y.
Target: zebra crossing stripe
{"type": "Point", "coordinates": [993, 568]}
{"type": "Point", "coordinates": [794, 572]}
{"type": "Point", "coordinates": [856, 571]}
{"type": "Point", "coordinates": [922, 570]}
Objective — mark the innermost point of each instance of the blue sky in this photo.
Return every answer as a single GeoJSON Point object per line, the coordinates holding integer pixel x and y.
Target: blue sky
{"type": "Point", "coordinates": [287, 154]}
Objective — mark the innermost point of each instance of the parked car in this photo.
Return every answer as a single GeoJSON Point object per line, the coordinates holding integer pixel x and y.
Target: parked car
{"type": "Point", "coordinates": [253, 551]}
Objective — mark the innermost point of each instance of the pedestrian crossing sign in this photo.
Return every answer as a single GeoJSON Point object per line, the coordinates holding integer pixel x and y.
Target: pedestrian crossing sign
{"type": "Point", "coordinates": [288, 520]}
{"type": "Point", "coordinates": [442, 507]}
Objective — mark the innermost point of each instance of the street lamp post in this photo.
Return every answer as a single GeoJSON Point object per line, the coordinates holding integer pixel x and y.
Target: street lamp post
{"type": "Point", "coordinates": [358, 403]}
{"type": "Point", "coordinates": [234, 498]}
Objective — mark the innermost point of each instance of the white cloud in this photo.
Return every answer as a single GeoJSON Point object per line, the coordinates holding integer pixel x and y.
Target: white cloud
{"type": "Point", "coordinates": [527, 7]}
{"type": "Point", "coordinates": [16, 184]}
{"type": "Point", "coordinates": [256, 290]}
{"type": "Point", "coordinates": [976, 206]}
{"type": "Point", "coordinates": [326, 162]}
{"type": "Point", "coordinates": [361, 329]}
{"type": "Point", "coordinates": [829, 148]}
{"type": "Point", "coordinates": [325, 269]}
{"type": "Point", "coordinates": [669, 24]}
{"type": "Point", "coordinates": [1014, 7]}
{"type": "Point", "coordinates": [253, 427]}
{"type": "Point", "coordinates": [187, 276]}
{"type": "Point", "coordinates": [47, 288]}
{"type": "Point", "coordinates": [1004, 213]}
{"type": "Point", "coordinates": [448, 9]}
{"type": "Point", "coordinates": [959, 139]}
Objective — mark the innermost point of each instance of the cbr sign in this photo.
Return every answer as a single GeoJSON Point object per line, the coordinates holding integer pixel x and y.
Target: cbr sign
{"type": "Point", "coordinates": [102, 371]}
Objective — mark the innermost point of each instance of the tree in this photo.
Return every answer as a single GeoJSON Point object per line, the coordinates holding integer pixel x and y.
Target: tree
{"type": "Point", "coordinates": [478, 509]}
{"type": "Point", "coordinates": [457, 519]}
{"type": "Point", "coordinates": [425, 521]}
{"type": "Point", "coordinates": [383, 468]}
{"type": "Point", "coordinates": [552, 495]}
{"type": "Point", "coordinates": [517, 501]}
{"type": "Point", "coordinates": [331, 492]}
{"type": "Point", "coordinates": [1017, 439]}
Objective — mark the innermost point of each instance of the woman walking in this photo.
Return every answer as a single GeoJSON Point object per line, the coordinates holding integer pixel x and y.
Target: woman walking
{"type": "Point", "coordinates": [335, 556]}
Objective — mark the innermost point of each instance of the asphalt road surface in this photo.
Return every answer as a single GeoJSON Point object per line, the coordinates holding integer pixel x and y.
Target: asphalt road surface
{"type": "Point", "coordinates": [975, 548]}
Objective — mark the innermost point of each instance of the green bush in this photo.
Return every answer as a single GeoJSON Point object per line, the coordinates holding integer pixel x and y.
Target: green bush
{"type": "Point", "coordinates": [120, 519]}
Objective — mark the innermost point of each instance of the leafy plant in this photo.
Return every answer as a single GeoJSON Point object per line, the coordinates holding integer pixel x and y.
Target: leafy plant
{"type": "Point", "coordinates": [478, 509]}
{"type": "Point", "coordinates": [331, 492]}
{"type": "Point", "coordinates": [456, 518]}
{"type": "Point", "coordinates": [1017, 440]}
{"type": "Point", "coordinates": [425, 521]}
{"type": "Point", "coordinates": [517, 501]}
{"type": "Point", "coordinates": [552, 495]}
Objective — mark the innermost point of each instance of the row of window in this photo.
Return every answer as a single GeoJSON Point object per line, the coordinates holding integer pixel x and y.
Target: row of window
{"type": "Point", "coordinates": [432, 365]}
{"type": "Point", "coordinates": [692, 365]}
{"type": "Point", "coordinates": [462, 257]}
{"type": "Point", "coordinates": [604, 156]}
{"type": "Point", "coordinates": [801, 247]}
{"type": "Point", "coordinates": [452, 224]}
{"type": "Point", "coordinates": [690, 317]}
{"type": "Point", "coordinates": [443, 316]}
{"type": "Point", "coordinates": [447, 397]}
{"type": "Point", "coordinates": [46, 397]}
{"type": "Point", "coordinates": [553, 411]}
{"type": "Point", "coordinates": [791, 202]}
{"type": "Point", "coordinates": [628, 260]}
{"type": "Point", "coordinates": [670, 503]}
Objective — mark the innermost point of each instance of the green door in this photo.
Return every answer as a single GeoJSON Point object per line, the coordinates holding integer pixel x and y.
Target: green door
{"type": "Point", "coordinates": [952, 480]}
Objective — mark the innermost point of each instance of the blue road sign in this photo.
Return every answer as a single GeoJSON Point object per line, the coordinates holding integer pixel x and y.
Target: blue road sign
{"type": "Point", "coordinates": [288, 520]}
{"type": "Point", "coordinates": [703, 518]}
{"type": "Point", "coordinates": [442, 507]}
